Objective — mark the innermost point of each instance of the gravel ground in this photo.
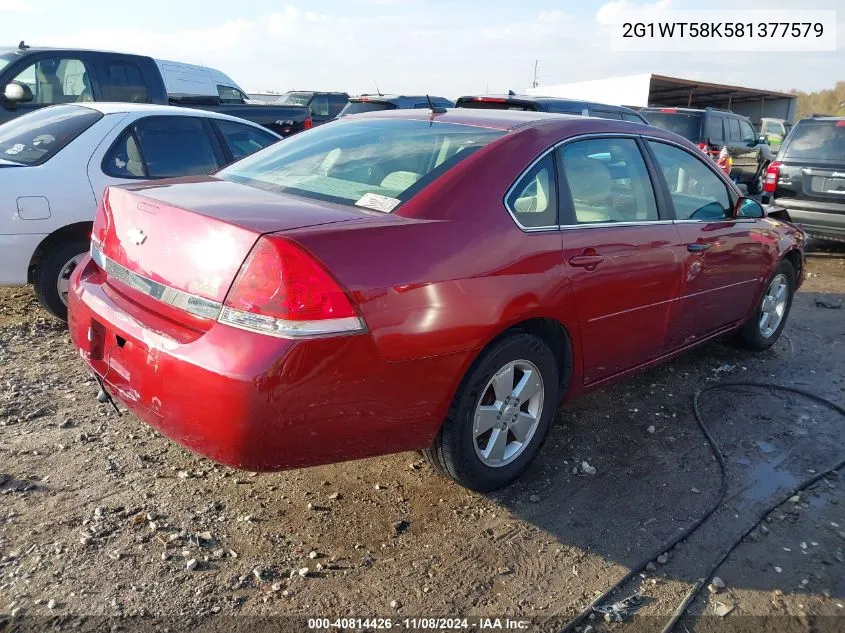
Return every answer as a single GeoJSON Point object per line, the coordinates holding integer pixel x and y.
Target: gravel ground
{"type": "Point", "coordinates": [101, 516]}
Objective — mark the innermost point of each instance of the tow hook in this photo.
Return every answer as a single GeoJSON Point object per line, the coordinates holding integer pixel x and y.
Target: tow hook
{"type": "Point", "coordinates": [103, 396]}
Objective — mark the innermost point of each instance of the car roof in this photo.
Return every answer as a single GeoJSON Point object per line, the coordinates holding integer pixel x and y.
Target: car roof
{"type": "Point", "coordinates": [673, 109]}
{"type": "Point", "coordinates": [498, 119]}
{"type": "Point", "coordinates": [315, 92]}
{"type": "Point", "coordinates": [542, 99]}
{"type": "Point", "coordinates": [391, 97]}
{"type": "Point", "coordinates": [106, 107]}
{"type": "Point", "coordinates": [823, 118]}
{"type": "Point", "coordinates": [49, 49]}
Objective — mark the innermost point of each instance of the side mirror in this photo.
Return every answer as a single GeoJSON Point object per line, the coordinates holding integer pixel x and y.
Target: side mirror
{"type": "Point", "coordinates": [763, 139]}
{"type": "Point", "coordinates": [16, 92]}
{"type": "Point", "coordinates": [748, 208]}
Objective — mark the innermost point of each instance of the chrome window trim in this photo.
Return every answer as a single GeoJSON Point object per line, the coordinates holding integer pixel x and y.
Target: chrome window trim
{"type": "Point", "coordinates": [193, 304]}
{"type": "Point", "coordinates": [572, 139]}
{"type": "Point", "coordinates": [608, 225]}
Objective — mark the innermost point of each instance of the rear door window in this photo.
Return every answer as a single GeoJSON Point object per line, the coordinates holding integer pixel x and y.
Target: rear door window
{"type": "Point", "coordinates": [123, 82]}
{"type": "Point", "coordinates": [715, 132]}
{"type": "Point", "coordinates": [336, 104]}
{"type": "Point", "coordinates": [319, 105]}
{"type": "Point", "coordinates": [734, 134]}
{"type": "Point", "coordinates": [173, 146]}
{"type": "Point", "coordinates": [697, 192]}
{"type": "Point", "coordinates": [813, 139]}
{"type": "Point", "coordinates": [243, 140]}
{"type": "Point", "coordinates": [34, 138]}
{"type": "Point", "coordinates": [608, 182]}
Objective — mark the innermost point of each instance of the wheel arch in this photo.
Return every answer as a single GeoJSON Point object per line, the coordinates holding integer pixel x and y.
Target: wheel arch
{"type": "Point", "coordinates": [77, 230]}
{"type": "Point", "coordinates": [550, 330]}
{"type": "Point", "coordinates": [793, 256]}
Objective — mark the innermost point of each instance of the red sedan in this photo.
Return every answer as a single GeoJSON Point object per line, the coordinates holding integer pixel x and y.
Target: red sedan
{"type": "Point", "coordinates": [420, 280]}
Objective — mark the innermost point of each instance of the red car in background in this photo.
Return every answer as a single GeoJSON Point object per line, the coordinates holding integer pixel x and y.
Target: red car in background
{"type": "Point", "coordinates": [420, 280]}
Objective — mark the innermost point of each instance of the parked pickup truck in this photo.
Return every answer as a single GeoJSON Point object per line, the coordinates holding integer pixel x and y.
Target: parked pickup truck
{"type": "Point", "coordinates": [32, 78]}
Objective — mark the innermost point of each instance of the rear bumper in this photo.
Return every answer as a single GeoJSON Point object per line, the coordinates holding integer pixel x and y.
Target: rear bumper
{"type": "Point", "coordinates": [818, 219]}
{"type": "Point", "coordinates": [15, 254]}
{"type": "Point", "coordinates": [253, 401]}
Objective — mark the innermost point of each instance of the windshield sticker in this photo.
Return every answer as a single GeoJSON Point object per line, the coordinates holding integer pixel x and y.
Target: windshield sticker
{"type": "Point", "coordinates": [17, 148]}
{"type": "Point", "coordinates": [377, 202]}
{"type": "Point", "coordinates": [46, 139]}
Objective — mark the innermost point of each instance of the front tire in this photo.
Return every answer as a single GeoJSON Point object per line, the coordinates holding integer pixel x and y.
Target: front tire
{"type": "Point", "coordinates": [52, 277]}
{"type": "Point", "coordinates": [500, 416]}
{"type": "Point", "coordinates": [764, 327]}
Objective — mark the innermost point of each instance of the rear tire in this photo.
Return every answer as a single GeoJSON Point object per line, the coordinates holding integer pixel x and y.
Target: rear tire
{"type": "Point", "coordinates": [515, 384]}
{"type": "Point", "coordinates": [52, 277]}
{"type": "Point", "coordinates": [756, 186]}
{"type": "Point", "coordinates": [764, 327]}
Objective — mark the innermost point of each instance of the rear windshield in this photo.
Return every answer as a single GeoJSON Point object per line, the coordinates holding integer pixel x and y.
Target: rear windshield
{"type": "Point", "coordinates": [816, 140]}
{"type": "Point", "coordinates": [682, 123]}
{"type": "Point", "coordinates": [357, 107]}
{"type": "Point", "coordinates": [497, 105]}
{"type": "Point", "coordinates": [372, 163]}
{"type": "Point", "coordinates": [294, 98]}
{"type": "Point", "coordinates": [36, 137]}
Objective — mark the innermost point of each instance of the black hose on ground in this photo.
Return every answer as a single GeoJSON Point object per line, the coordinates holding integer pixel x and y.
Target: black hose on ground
{"type": "Point", "coordinates": [720, 458]}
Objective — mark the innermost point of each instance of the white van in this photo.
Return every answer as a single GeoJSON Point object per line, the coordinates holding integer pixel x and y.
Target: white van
{"type": "Point", "coordinates": [189, 80]}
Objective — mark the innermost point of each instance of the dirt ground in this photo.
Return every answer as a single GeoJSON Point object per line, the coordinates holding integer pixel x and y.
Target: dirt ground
{"type": "Point", "coordinates": [101, 516]}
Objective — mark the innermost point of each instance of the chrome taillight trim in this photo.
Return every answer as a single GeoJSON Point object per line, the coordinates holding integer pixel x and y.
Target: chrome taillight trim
{"type": "Point", "coordinates": [283, 328]}
{"type": "Point", "coordinates": [198, 306]}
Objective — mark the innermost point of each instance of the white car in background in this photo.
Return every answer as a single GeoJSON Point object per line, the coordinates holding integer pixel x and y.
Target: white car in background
{"type": "Point", "coordinates": [56, 162]}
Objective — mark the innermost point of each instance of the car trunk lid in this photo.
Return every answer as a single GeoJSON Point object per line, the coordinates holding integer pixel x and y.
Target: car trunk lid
{"type": "Point", "coordinates": [176, 247]}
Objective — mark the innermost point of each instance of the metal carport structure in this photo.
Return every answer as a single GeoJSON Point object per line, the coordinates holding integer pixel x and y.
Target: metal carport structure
{"type": "Point", "coordinates": [648, 89]}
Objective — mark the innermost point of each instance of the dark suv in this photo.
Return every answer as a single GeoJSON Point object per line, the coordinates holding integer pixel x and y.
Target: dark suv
{"type": "Point", "coordinates": [557, 105]}
{"type": "Point", "coordinates": [371, 103]}
{"type": "Point", "coordinates": [713, 129]}
{"type": "Point", "coordinates": [808, 177]}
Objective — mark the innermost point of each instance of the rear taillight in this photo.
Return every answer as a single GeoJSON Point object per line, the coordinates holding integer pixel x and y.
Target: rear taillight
{"type": "Point", "coordinates": [283, 291]}
{"type": "Point", "coordinates": [770, 183]}
{"type": "Point", "coordinates": [308, 123]}
{"type": "Point", "coordinates": [669, 110]}
{"type": "Point", "coordinates": [703, 147]}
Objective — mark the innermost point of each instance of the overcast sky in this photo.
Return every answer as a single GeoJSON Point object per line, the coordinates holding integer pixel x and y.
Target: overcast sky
{"type": "Point", "coordinates": [445, 47]}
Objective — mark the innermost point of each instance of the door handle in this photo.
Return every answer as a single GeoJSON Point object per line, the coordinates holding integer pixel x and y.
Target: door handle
{"type": "Point", "coordinates": [697, 247]}
{"type": "Point", "coordinates": [586, 261]}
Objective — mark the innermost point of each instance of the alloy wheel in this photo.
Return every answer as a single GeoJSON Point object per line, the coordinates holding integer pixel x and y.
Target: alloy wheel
{"type": "Point", "coordinates": [774, 305]}
{"type": "Point", "coordinates": [508, 413]}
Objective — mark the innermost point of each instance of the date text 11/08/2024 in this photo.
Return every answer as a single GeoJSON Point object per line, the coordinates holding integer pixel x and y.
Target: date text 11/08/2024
{"type": "Point", "coordinates": [419, 624]}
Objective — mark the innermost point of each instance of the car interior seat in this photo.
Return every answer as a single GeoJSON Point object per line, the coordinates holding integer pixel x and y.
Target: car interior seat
{"type": "Point", "coordinates": [134, 162]}
{"type": "Point", "coordinates": [87, 93]}
{"type": "Point", "coordinates": [400, 180]}
{"type": "Point", "coordinates": [591, 186]}
{"type": "Point", "coordinates": [535, 197]}
{"type": "Point", "coordinates": [48, 84]}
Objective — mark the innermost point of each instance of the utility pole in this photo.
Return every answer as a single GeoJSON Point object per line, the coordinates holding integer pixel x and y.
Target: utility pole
{"type": "Point", "coordinates": [534, 83]}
